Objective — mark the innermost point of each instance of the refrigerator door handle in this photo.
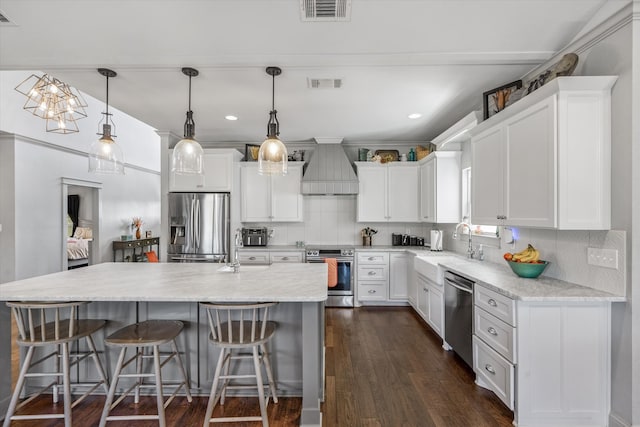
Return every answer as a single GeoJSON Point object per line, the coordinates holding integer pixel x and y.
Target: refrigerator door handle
{"type": "Point", "coordinates": [197, 224]}
{"type": "Point", "coordinates": [192, 234]}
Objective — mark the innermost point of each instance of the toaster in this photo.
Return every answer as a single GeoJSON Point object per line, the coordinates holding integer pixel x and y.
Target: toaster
{"type": "Point", "coordinates": [254, 236]}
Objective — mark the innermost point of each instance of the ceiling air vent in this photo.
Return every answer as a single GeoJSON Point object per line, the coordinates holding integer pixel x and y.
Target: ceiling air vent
{"type": "Point", "coordinates": [324, 83]}
{"type": "Point", "coordinates": [4, 20]}
{"type": "Point", "coordinates": [325, 10]}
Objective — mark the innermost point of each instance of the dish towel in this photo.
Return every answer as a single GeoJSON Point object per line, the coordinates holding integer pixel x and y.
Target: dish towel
{"type": "Point", "coordinates": [332, 265]}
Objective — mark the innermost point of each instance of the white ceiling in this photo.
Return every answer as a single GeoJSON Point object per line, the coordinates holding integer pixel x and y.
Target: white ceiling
{"type": "Point", "coordinates": [395, 57]}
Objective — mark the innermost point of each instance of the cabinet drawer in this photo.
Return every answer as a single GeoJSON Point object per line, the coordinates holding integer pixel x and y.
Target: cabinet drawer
{"type": "Point", "coordinates": [373, 272]}
{"type": "Point", "coordinates": [502, 307]}
{"type": "Point", "coordinates": [372, 291]}
{"type": "Point", "coordinates": [496, 333]}
{"type": "Point", "coordinates": [286, 257]}
{"type": "Point", "coordinates": [373, 258]}
{"type": "Point", "coordinates": [254, 257]}
{"type": "Point", "coordinates": [493, 371]}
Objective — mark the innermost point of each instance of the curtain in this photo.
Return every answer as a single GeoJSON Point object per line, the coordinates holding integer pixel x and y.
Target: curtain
{"type": "Point", "coordinates": [73, 208]}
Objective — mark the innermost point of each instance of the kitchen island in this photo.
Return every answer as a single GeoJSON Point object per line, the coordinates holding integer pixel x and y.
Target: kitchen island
{"type": "Point", "coordinates": [127, 292]}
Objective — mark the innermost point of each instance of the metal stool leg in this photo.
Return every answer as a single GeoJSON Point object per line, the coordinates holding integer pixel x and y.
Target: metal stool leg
{"type": "Point", "coordinates": [159, 396]}
{"type": "Point", "coordinates": [263, 406]}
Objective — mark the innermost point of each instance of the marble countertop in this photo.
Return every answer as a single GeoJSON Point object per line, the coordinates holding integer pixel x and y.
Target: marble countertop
{"type": "Point", "coordinates": [273, 248]}
{"type": "Point", "coordinates": [175, 282]}
{"type": "Point", "coordinates": [501, 279]}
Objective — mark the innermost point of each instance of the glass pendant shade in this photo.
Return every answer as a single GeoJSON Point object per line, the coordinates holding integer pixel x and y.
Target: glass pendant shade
{"type": "Point", "coordinates": [187, 157]}
{"type": "Point", "coordinates": [272, 157]}
{"type": "Point", "coordinates": [188, 154]}
{"type": "Point", "coordinates": [105, 156]}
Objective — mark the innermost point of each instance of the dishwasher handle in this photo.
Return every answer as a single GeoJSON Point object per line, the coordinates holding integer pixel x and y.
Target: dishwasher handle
{"type": "Point", "coordinates": [457, 286]}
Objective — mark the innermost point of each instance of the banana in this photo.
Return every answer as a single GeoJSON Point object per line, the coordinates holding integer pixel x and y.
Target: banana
{"type": "Point", "coordinates": [530, 254]}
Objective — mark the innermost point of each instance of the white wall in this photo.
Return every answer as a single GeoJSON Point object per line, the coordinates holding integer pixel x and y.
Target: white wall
{"type": "Point", "coordinates": [33, 163]}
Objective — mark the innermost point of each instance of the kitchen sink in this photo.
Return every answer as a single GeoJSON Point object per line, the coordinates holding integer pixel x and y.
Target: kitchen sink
{"type": "Point", "coordinates": [428, 267]}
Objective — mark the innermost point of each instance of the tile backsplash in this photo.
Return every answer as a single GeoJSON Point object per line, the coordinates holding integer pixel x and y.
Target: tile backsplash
{"type": "Point", "coordinates": [565, 250]}
{"type": "Point", "coordinates": [331, 220]}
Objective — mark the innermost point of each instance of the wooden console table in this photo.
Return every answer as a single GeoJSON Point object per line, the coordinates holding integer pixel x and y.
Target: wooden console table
{"type": "Point", "coordinates": [144, 245]}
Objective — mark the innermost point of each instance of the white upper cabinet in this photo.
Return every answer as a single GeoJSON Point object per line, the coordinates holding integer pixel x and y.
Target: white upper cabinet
{"type": "Point", "coordinates": [271, 198]}
{"type": "Point", "coordinates": [545, 161]}
{"type": "Point", "coordinates": [440, 187]}
{"type": "Point", "coordinates": [218, 165]}
{"type": "Point", "coordinates": [388, 192]}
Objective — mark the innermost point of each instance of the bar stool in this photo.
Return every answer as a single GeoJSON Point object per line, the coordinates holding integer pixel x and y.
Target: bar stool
{"type": "Point", "coordinates": [42, 324]}
{"type": "Point", "coordinates": [148, 334]}
{"type": "Point", "coordinates": [236, 327]}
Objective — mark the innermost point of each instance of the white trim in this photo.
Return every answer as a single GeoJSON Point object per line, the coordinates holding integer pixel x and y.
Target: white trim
{"type": "Point", "coordinates": [616, 421]}
{"type": "Point", "coordinates": [81, 182]}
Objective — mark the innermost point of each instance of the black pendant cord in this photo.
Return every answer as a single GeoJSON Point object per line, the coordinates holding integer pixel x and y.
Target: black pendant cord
{"type": "Point", "coordinates": [189, 124]}
{"type": "Point", "coordinates": [107, 97]}
{"type": "Point", "coordinates": [273, 127]}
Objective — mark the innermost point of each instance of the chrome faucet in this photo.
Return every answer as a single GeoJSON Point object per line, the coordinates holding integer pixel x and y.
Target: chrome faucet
{"type": "Point", "coordinates": [470, 251]}
{"type": "Point", "coordinates": [238, 244]}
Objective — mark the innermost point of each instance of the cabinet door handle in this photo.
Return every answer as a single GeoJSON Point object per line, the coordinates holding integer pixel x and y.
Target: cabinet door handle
{"type": "Point", "coordinates": [492, 331]}
{"type": "Point", "coordinates": [425, 289]}
{"type": "Point", "coordinates": [372, 291]}
{"type": "Point", "coordinates": [489, 369]}
{"type": "Point", "coordinates": [372, 273]}
{"type": "Point", "coordinates": [492, 302]}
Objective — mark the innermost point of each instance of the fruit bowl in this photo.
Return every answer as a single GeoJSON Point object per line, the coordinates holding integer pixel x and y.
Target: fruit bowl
{"type": "Point", "coordinates": [529, 270]}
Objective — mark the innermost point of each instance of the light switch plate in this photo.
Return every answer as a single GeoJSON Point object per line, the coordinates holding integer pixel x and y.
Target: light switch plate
{"type": "Point", "coordinates": [603, 257]}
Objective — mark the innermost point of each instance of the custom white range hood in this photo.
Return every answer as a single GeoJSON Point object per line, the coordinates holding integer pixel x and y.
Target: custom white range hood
{"type": "Point", "coordinates": [329, 170]}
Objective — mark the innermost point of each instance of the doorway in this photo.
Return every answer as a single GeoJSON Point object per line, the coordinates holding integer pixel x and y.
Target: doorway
{"type": "Point", "coordinates": [85, 227]}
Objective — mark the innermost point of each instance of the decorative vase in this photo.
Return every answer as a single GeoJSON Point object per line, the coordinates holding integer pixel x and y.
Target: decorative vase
{"type": "Point", "coordinates": [138, 235]}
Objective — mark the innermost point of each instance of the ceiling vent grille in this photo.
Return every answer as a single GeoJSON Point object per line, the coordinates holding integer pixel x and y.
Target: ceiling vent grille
{"type": "Point", "coordinates": [4, 19]}
{"type": "Point", "coordinates": [324, 83]}
{"type": "Point", "coordinates": [325, 10]}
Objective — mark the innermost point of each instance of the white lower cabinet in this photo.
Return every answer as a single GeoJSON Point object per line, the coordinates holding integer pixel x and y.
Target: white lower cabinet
{"type": "Point", "coordinates": [548, 361]}
{"type": "Point", "coordinates": [399, 266]}
{"type": "Point", "coordinates": [430, 303]}
{"type": "Point", "coordinates": [372, 276]}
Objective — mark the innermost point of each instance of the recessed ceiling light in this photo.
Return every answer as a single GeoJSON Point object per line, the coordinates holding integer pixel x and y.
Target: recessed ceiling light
{"type": "Point", "coordinates": [232, 118]}
{"type": "Point", "coordinates": [414, 115]}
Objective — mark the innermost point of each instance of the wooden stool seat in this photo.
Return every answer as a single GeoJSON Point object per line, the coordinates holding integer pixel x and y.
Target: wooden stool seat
{"type": "Point", "coordinates": [140, 336]}
{"type": "Point", "coordinates": [42, 324]}
{"type": "Point", "coordinates": [240, 327]}
{"type": "Point", "coordinates": [149, 333]}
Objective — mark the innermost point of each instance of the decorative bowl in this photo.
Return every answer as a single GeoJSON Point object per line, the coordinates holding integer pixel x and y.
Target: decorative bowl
{"type": "Point", "coordinates": [528, 270]}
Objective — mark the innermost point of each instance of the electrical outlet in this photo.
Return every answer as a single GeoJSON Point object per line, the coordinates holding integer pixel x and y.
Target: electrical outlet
{"type": "Point", "coordinates": [603, 257]}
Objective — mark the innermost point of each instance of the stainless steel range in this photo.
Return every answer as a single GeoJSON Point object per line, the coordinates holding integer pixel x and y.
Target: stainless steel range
{"type": "Point", "coordinates": [340, 295]}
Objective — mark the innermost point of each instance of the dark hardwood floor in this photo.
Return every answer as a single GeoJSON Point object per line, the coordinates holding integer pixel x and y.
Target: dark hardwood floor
{"type": "Point", "coordinates": [384, 367]}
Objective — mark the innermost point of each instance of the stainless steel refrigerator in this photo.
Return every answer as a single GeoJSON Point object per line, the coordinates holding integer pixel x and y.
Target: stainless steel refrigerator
{"type": "Point", "coordinates": [198, 227]}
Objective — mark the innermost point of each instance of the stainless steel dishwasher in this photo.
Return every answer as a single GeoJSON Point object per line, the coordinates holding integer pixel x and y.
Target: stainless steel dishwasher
{"type": "Point", "coordinates": [458, 315]}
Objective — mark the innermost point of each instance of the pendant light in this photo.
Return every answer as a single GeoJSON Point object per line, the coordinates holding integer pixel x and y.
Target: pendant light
{"type": "Point", "coordinates": [187, 154]}
{"type": "Point", "coordinates": [105, 156]}
{"type": "Point", "coordinates": [272, 157]}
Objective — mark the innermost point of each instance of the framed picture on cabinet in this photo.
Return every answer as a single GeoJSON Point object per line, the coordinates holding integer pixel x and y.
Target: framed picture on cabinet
{"type": "Point", "coordinates": [251, 152]}
{"type": "Point", "coordinates": [497, 99]}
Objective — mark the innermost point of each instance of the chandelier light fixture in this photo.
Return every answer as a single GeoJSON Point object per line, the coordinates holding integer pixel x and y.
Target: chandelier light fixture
{"type": "Point", "coordinates": [54, 101]}
{"type": "Point", "coordinates": [187, 154]}
{"type": "Point", "coordinates": [105, 156]}
{"type": "Point", "coordinates": [272, 156]}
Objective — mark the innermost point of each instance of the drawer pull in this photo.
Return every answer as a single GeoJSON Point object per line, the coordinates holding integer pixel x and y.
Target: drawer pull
{"type": "Point", "coordinates": [252, 258]}
{"type": "Point", "coordinates": [285, 258]}
{"type": "Point", "coordinates": [371, 258]}
{"type": "Point", "coordinates": [372, 291]}
{"type": "Point", "coordinates": [489, 369]}
{"type": "Point", "coordinates": [492, 302]}
{"type": "Point", "coordinates": [492, 331]}
{"type": "Point", "coordinates": [372, 273]}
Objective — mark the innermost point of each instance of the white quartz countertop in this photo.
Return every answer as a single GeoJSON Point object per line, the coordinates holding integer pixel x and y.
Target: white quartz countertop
{"type": "Point", "coordinates": [501, 279]}
{"type": "Point", "coordinates": [175, 282]}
